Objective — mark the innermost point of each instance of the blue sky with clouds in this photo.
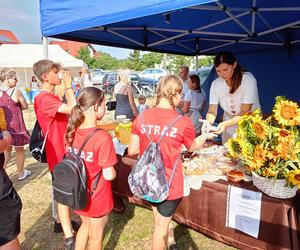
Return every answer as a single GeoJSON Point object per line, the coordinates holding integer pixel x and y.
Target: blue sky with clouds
{"type": "Point", "coordinates": [22, 18]}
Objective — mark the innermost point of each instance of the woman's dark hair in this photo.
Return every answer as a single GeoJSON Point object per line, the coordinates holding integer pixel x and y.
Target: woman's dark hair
{"type": "Point", "coordinates": [229, 58]}
{"type": "Point", "coordinates": [87, 98]}
{"type": "Point", "coordinates": [195, 79]}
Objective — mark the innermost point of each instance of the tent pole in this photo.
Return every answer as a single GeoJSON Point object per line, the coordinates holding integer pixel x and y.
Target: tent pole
{"type": "Point", "coordinates": [197, 63]}
{"type": "Point", "coordinates": [45, 47]}
{"type": "Point", "coordinates": [26, 77]}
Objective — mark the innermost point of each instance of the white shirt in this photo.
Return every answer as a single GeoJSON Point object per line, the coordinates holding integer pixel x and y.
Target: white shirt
{"type": "Point", "coordinates": [195, 98]}
{"type": "Point", "coordinates": [185, 89]}
{"type": "Point", "coordinates": [247, 93]}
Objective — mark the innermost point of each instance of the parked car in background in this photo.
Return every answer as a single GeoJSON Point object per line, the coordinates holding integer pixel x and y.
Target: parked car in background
{"type": "Point", "coordinates": [202, 73]}
{"type": "Point", "coordinates": [140, 85]}
{"type": "Point", "coordinates": [153, 73]}
{"type": "Point", "coordinates": [97, 77]}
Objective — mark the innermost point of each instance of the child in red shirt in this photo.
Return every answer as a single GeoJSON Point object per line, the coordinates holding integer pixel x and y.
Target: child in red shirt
{"type": "Point", "coordinates": [52, 115]}
{"type": "Point", "coordinates": [99, 157]}
{"type": "Point", "coordinates": [156, 120]}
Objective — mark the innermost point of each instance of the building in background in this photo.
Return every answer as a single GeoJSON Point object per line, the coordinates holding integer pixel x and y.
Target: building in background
{"type": "Point", "coordinates": [73, 47]}
{"type": "Point", "coordinates": [8, 37]}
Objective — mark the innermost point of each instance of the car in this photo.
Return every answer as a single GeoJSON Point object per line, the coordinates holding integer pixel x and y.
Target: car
{"type": "Point", "coordinates": [140, 85]}
{"type": "Point", "coordinates": [97, 76]}
{"type": "Point", "coordinates": [202, 73]}
{"type": "Point", "coordinates": [153, 73]}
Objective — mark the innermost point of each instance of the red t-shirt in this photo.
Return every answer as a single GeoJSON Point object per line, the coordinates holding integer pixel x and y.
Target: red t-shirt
{"type": "Point", "coordinates": [46, 107]}
{"type": "Point", "coordinates": [98, 153]}
{"type": "Point", "coordinates": [183, 132]}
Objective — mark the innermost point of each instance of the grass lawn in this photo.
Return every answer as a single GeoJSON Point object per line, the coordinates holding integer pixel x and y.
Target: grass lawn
{"type": "Point", "coordinates": [130, 230]}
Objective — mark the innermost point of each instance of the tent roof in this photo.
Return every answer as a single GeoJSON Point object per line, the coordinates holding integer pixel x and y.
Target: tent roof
{"type": "Point", "coordinates": [25, 55]}
{"type": "Point", "coordinates": [187, 27]}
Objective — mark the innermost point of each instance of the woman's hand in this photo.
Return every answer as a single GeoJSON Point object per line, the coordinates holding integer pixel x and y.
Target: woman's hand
{"type": "Point", "coordinates": [222, 128]}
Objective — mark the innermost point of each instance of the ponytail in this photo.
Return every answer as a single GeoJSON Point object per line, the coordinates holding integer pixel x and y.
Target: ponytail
{"type": "Point", "coordinates": [75, 120]}
{"type": "Point", "coordinates": [87, 98]}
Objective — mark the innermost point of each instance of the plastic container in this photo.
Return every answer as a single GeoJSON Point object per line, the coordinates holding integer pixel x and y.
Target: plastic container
{"type": "Point", "coordinates": [125, 131]}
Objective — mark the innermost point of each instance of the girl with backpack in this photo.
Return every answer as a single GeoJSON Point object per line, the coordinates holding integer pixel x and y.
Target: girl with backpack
{"type": "Point", "coordinates": [99, 157]}
{"type": "Point", "coordinates": [153, 123]}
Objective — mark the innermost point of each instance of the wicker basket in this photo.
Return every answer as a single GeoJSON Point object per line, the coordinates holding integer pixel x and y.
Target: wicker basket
{"type": "Point", "coordinates": [274, 188]}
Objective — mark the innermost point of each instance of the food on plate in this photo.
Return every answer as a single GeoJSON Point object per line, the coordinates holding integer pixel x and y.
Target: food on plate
{"type": "Point", "coordinates": [235, 175]}
{"type": "Point", "coordinates": [196, 171]}
{"type": "Point", "coordinates": [215, 171]}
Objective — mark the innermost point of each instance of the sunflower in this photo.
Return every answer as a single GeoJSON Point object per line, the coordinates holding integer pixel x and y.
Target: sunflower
{"type": "Point", "coordinates": [260, 129]}
{"type": "Point", "coordinates": [284, 150]}
{"type": "Point", "coordinates": [259, 156]}
{"type": "Point", "coordinates": [294, 177]}
{"type": "Point", "coordinates": [287, 112]}
{"type": "Point", "coordinates": [284, 135]}
{"type": "Point", "coordinates": [233, 148]}
{"type": "Point", "coordinates": [273, 155]}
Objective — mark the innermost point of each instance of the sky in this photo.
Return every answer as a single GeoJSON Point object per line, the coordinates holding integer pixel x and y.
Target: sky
{"type": "Point", "coordinates": [23, 19]}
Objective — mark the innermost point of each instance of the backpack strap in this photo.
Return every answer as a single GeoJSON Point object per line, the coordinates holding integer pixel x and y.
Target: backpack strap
{"type": "Point", "coordinates": [86, 140]}
{"type": "Point", "coordinates": [161, 137]}
{"type": "Point", "coordinates": [143, 123]}
{"type": "Point", "coordinates": [46, 135]}
{"type": "Point", "coordinates": [169, 127]}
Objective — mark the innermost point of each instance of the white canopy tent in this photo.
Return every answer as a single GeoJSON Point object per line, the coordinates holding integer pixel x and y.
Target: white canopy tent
{"type": "Point", "coordinates": [21, 57]}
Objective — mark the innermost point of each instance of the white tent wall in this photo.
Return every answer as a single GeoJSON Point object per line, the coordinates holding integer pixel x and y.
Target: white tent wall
{"type": "Point", "coordinates": [21, 57]}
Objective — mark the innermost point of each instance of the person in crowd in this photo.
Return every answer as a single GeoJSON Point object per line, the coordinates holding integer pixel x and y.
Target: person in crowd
{"type": "Point", "coordinates": [194, 102]}
{"type": "Point", "coordinates": [184, 75]}
{"type": "Point", "coordinates": [236, 92]}
{"type": "Point", "coordinates": [124, 95]}
{"type": "Point", "coordinates": [13, 102]}
{"type": "Point", "coordinates": [99, 157]}
{"type": "Point", "coordinates": [52, 116]}
{"type": "Point", "coordinates": [10, 203]}
{"type": "Point", "coordinates": [169, 94]}
{"type": "Point", "coordinates": [142, 103]}
{"type": "Point", "coordinates": [34, 88]}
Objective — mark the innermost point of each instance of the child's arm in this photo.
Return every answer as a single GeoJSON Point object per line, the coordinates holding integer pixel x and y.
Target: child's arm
{"type": "Point", "coordinates": [200, 140]}
{"type": "Point", "coordinates": [109, 173]}
{"type": "Point", "coordinates": [21, 100]}
{"type": "Point", "coordinates": [134, 145]}
{"type": "Point", "coordinates": [70, 97]}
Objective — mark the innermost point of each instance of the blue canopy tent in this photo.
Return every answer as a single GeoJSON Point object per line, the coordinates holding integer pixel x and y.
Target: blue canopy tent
{"type": "Point", "coordinates": [264, 34]}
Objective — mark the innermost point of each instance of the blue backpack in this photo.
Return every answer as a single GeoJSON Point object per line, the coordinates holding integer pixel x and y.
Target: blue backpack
{"type": "Point", "coordinates": [147, 179]}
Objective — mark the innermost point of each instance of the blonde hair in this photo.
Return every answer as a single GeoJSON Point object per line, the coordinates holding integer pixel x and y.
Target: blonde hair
{"type": "Point", "coordinates": [6, 73]}
{"type": "Point", "coordinates": [124, 75]}
{"type": "Point", "coordinates": [168, 87]}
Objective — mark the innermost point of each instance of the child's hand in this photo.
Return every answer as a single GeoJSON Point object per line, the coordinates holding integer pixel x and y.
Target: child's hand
{"type": "Point", "coordinates": [67, 78]}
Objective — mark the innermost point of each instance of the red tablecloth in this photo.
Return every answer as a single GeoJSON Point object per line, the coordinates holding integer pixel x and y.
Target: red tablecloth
{"type": "Point", "coordinates": [204, 210]}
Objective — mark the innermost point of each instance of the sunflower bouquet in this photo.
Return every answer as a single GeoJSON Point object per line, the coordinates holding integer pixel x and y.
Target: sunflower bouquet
{"type": "Point", "coordinates": [270, 148]}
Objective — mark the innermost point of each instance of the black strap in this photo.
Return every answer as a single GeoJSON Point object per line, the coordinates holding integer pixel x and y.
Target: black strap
{"type": "Point", "coordinates": [86, 140]}
{"type": "Point", "coordinates": [97, 180]}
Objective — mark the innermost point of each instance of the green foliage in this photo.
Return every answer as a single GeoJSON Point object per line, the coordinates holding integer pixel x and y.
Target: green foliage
{"type": "Point", "coordinates": [150, 59]}
{"type": "Point", "coordinates": [207, 61]}
{"type": "Point", "coordinates": [84, 54]}
{"type": "Point", "coordinates": [106, 62]}
{"type": "Point", "coordinates": [175, 61]}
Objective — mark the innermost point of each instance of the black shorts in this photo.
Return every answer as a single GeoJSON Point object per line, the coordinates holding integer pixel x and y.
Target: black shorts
{"type": "Point", "coordinates": [167, 208]}
{"type": "Point", "coordinates": [10, 211]}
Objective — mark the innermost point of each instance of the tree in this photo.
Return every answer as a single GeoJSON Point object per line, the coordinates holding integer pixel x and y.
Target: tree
{"type": "Point", "coordinates": [207, 61]}
{"type": "Point", "coordinates": [84, 54]}
{"type": "Point", "coordinates": [134, 60]}
{"type": "Point", "coordinates": [150, 59]}
{"type": "Point", "coordinates": [106, 61]}
{"type": "Point", "coordinates": [175, 61]}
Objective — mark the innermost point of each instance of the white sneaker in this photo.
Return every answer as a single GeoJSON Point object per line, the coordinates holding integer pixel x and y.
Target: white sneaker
{"type": "Point", "coordinates": [26, 173]}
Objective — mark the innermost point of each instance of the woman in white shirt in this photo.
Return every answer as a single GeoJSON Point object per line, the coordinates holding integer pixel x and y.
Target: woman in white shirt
{"type": "Point", "coordinates": [194, 102]}
{"type": "Point", "coordinates": [236, 92]}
